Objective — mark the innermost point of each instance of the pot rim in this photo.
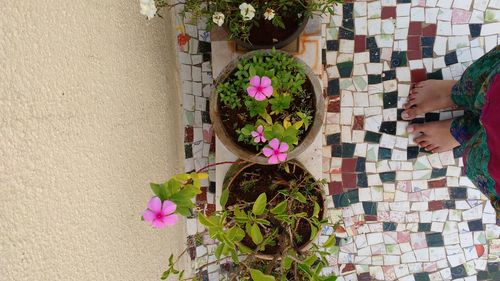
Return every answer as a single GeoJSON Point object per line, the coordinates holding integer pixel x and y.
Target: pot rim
{"type": "Point", "coordinates": [233, 145]}
{"type": "Point", "coordinates": [236, 169]}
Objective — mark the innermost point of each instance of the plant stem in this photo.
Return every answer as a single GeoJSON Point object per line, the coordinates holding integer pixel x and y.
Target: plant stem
{"type": "Point", "coordinates": [219, 163]}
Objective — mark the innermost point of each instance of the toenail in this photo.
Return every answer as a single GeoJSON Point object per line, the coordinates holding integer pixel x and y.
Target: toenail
{"type": "Point", "coordinates": [410, 129]}
{"type": "Point", "coordinates": [405, 115]}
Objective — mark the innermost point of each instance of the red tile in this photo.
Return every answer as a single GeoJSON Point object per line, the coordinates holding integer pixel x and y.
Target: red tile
{"type": "Point", "coordinates": [429, 30]}
{"type": "Point", "coordinates": [188, 134]}
{"type": "Point", "coordinates": [415, 28]}
{"type": "Point", "coordinates": [335, 187]}
{"type": "Point", "coordinates": [348, 268]}
{"type": "Point", "coordinates": [370, 218]}
{"type": "Point", "coordinates": [418, 75]}
{"type": "Point", "coordinates": [349, 180]}
{"type": "Point", "coordinates": [359, 43]}
{"type": "Point", "coordinates": [349, 165]}
{"type": "Point", "coordinates": [435, 205]}
{"type": "Point", "coordinates": [334, 104]}
{"type": "Point", "coordinates": [414, 55]}
{"type": "Point", "coordinates": [359, 123]}
{"type": "Point", "coordinates": [437, 183]}
{"type": "Point", "coordinates": [388, 12]}
{"type": "Point", "coordinates": [413, 43]}
{"type": "Point", "coordinates": [202, 197]}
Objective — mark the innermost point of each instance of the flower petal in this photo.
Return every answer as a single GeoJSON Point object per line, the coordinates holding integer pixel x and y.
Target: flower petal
{"type": "Point", "coordinates": [255, 81]}
{"type": "Point", "coordinates": [159, 223]}
{"type": "Point", "coordinates": [260, 96]}
{"type": "Point", "coordinates": [169, 207]}
{"type": "Point", "coordinates": [260, 129]}
{"type": "Point", "coordinates": [265, 81]}
{"type": "Point", "coordinates": [267, 151]}
{"type": "Point", "coordinates": [256, 139]}
{"type": "Point", "coordinates": [282, 157]}
{"type": "Point", "coordinates": [255, 134]}
{"type": "Point", "coordinates": [274, 144]}
{"type": "Point", "coordinates": [273, 160]}
{"type": "Point", "coordinates": [155, 204]}
{"type": "Point", "coordinates": [263, 139]}
{"type": "Point", "coordinates": [252, 91]}
{"type": "Point", "coordinates": [283, 147]}
{"type": "Point", "coordinates": [148, 215]}
{"type": "Point", "coordinates": [170, 220]}
{"type": "Point", "coordinates": [268, 91]}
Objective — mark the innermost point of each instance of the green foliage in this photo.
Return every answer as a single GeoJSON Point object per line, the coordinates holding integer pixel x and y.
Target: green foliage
{"type": "Point", "coordinates": [228, 95]}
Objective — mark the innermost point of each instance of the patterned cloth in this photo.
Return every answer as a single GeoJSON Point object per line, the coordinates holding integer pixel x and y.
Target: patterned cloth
{"type": "Point", "coordinates": [473, 92]}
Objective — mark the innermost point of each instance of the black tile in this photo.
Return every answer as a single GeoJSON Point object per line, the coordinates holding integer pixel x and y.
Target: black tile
{"type": "Point", "coordinates": [400, 110]}
{"type": "Point", "coordinates": [422, 276]}
{"type": "Point", "coordinates": [347, 9]}
{"type": "Point", "coordinates": [353, 196]}
{"type": "Point", "coordinates": [418, 121]}
{"type": "Point", "coordinates": [374, 79]}
{"type": "Point", "coordinates": [336, 150]}
{"type": "Point", "coordinates": [188, 151]}
{"type": "Point", "coordinates": [345, 69]}
{"type": "Point", "coordinates": [372, 137]}
{"type": "Point", "coordinates": [332, 45]}
{"type": "Point", "coordinates": [388, 127]}
{"type": "Point", "coordinates": [427, 52]}
{"type": "Point", "coordinates": [404, 1]}
{"type": "Point", "coordinates": [475, 225]}
{"type": "Point", "coordinates": [333, 139]}
{"type": "Point", "coordinates": [437, 173]}
{"type": "Point", "coordinates": [388, 177]}
{"type": "Point", "coordinates": [451, 58]}
{"type": "Point", "coordinates": [424, 227]}
{"type": "Point", "coordinates": [390, 100]}
{"type": "Point", "coordinates": [341, 200]}
{"type": "Point", "coordinates": [475, 29]}
{"type": "Point", "coordinates": [389, 226]}
{"type": "Point", "coordinates": [370, 208]}
{"type": "Point", "coordinates": [205, 117]}
{"type": "Point", "coordinates": [212, 187]}
{"type": "Point", "coordinates": [348, 149]}
{"type": "Point", "coordinates": [493, 266]}
{"type": "Point", "coordinates": [398, 59]}
{"type": "Point", "coordinates": [482, 275]}
{"type": "Point", "coordinates": [348, 23]}
{"type": "Point", "coordinates": [389, 75]}
{"type": "Point", "coordinates": [458, 193]}
{"type": "Point", "coordinates": [431, 116]}
{"type": "Point", "coordinates": [412, 152]}
{"type": "Point", "coordinates": [207, 57]}
{"type": "Point", "coordinates": [437, 75]}
{"type": "Point", "coordinates": [434, 239]}
{"type": "Point", "coordinates": [427, 41]}
{"type": "Point", "coordinates": [346, 34]}
{"type": "Point", "coordinates": [333, 87]}
{"type": "Point", "coordinates": [375, 55]}
{"type": "Point", "coordinates": [458, 152]}
{"type": "Point", "coordinates": [458, 272]}
{"type": "Point", "coordinates": [449, 204]}
{"type": "Point", "coordinates": [361, 164]}
{"type": "Point", "coordinates": [323, 56]}
{"type": "Point", "coordinates": [384, 153]}
{"type": "Point", "coordinates": [204, 47]}
{"type": "Point", "coordinates": [362, 180]}
{"type": "Point", "coordinates": [371, 43]}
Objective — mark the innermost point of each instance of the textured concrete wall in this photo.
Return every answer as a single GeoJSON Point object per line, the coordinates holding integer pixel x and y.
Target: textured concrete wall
{"type": "Point", "coordinates": [89, 114]}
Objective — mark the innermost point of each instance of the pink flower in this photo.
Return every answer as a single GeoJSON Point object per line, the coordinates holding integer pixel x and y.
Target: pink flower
{"type": "Point", "coordinates": [259, 134]}
{"type": "Point", "coordinates": [277, 152]}
{"type": "Point", "coordinates": [260, 88]}
{"type": "Point", "coordinates": [160, 215]}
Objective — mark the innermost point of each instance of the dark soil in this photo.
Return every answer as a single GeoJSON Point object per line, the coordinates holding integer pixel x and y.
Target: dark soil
{"type": "Point", "coordinates": [237, 118]}
{"type": "Point", "coordinates": [268, 34]}
{"type": "Point", "coordinates": [265, 177]}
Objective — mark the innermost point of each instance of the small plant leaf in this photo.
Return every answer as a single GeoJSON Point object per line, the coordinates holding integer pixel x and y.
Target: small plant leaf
{"type": "Point", "coordinates": [316, 209]}
{"type": "Point", "coordinates": [223, 197]}
{"type": "Point", "coordinates": [257, 275]}
{"type": "Point", "coordinates": [236, 234]}
{"type": "Point", "coordinates": [260, 205]}
{"type": "Point", "coordinates": [329, 242]}
{"type": "Point", "coordinates": [204, 220]}
{"type": "Point", "coordinates": [256, 234]}
{"type": "Point", "coordinates": [159, 190]}
{"type": "Point", "coordinates": [280, 208]}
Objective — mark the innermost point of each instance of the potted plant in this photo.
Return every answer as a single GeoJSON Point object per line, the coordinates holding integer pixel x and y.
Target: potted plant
{"type": "Point", "coordinates": [254, 24]}
{"type": "Point", "coordinates": [267, 107]}
{"type": "Point", "coordinates": [271, 216]}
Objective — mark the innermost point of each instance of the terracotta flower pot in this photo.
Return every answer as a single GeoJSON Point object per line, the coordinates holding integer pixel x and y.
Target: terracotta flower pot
{"type": "Point", "coordinates": [231, 143]}
{"type": "Point", "coordinates": [236, 171]}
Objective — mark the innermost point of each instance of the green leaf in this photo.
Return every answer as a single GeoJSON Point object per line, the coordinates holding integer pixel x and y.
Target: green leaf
{"type": "Point", "coordinates": [223, 197]}
{"type": "Point", "coordinates": [236, 234]}
{"type": "Point", "coordinates": [317, 208]}
{"type": "Point", "coordinates": [218, 250]}
{"type": "Point", "coordinates": [329, 242]}
{"type": "Point", "coordinates": [159, 190]}
{"type": "Point", "coordinates": [244, 249]}
{"type": "Point", "coordinates": [260, 205]}
{"type": "Point", "coordinates": [257, 275]}
{"type": "Point", "coordinates": [314, 231]}
{"type": "Point", "coordinates": [256, 234]}
{"type": "Point", "coordinates": [182, 177]}
{"type": "Point", "coordinates": [205, 221]}
{"type": "Point", "coordinates": [280, 208]}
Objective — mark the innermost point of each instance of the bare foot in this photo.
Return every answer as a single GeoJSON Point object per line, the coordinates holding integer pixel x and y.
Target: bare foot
{"type": "Point", "coordinates": [428, 96]}
{"type": "Point", "coordinates": [434, 136]}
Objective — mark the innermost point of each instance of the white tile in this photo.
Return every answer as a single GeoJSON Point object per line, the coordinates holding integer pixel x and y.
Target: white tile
{"type": "Point", "coordinates": [374, 9]}
{"type": "Point", "coordinates": [443, 28]}
{"type": "Point", "coordinates": [374, 26]}
{"type": "Point", "coordinates": [462, 4]}
{"type": "Point", "coordinates": [403, 10]}
{"type": "Point", "coordinates": [444, 3]}
{"type": "Point", "coordinates": [431, 15]}
{"type": "Point", "coordinates": [480, 4]}
{"type": "Point", "coordinates": [490, 28]}
{"type": "Point", "coordinates": [461, 29]}
{"type": "Point", "coordinates": [417, 14]}
{"type": "Point", "coordinates": [444, 14]}
{"type": "Point", "coordinates": [361, 26]}
{"type": "Point", "coordinates": [403, 22]}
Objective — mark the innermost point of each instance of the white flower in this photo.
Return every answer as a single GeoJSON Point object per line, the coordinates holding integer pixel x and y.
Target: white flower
{"type": "Point", "coordinates": [247, 11]}
{"type": "Point", "coordinates": [148, 8]}
{"type": "Point", "coordinates": [218, 18]}
{"type": "Point", "coordinates": [269, 14]}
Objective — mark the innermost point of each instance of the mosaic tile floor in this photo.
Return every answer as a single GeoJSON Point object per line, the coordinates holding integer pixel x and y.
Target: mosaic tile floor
{"type": "Point", "coordinates": [408, 215]}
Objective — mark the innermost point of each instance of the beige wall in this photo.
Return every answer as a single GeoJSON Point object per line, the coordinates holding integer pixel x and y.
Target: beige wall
{"type": "Point", "coordinates": [89, 114]}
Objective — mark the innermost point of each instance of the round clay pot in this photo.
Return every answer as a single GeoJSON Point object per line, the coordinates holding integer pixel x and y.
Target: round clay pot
{"type": "Point", "coordinates": [277, 45]}
{"type": "Point", "coordinates": [234, 146]}
{"type": "Point", "coordinates": [235, 171]}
